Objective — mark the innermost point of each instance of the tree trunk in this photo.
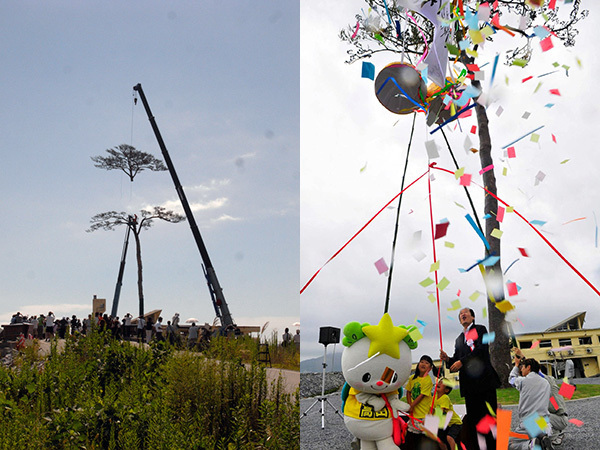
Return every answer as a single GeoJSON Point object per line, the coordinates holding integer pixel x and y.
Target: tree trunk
{"type": "Point", "coordinates": [138, 254]}
{"type": "Point", "coordinates": [500, 348]}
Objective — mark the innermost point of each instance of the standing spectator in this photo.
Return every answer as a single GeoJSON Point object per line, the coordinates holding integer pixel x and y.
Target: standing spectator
{"type": "Point", "coordinates": [569, 370]}
{"type": "Point", "coordinates": [534, 397]}
{"type": "Point", "coordinates": [287, 338]}
{"type": "Point", "coordinates": [478, 378]}
{"type": "Point", "coordinates": [447, 436]}
{"type": "Point", "coordinates": [49, 326]}
{"type": "Point", "coordinates": [33, 325]}
{"type": "Point", "coordinates": [62, 328]}
{"type": "Point", "coordinates": [419, 396]}
{"type": "Point", "coordinates": [87, 324]}
{"type": "Point", "coordinates": [175, 321]}
{"type": "Point", "coordinates": [204, 338]}
{"type": "Point", "coordinates": [158, 329]}
{"type": "Point", "coordinates": [170, 333]}
{"type": "Point", "coordinates": [192, 336]}
{"type": "Point", "coordinates": [297, 339]}
{"type": "Point", "coordinates": [40, 326]}
{"type": "Point", "coordinates": [127, 326]}
{"type": "Point", "coordinates": [74, 324]}
{"type": "Point", "coordinates": [149, 328]}
{"type": "Point", "coordinates": [141, 325]}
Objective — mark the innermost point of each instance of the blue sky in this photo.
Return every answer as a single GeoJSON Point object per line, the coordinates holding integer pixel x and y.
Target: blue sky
{"type": "Point", "coordinates": [222, 80]}
{"type": "Point", "coordinates": [352, 156]}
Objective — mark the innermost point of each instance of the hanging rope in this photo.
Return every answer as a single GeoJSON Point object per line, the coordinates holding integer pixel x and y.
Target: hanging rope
{"type": "Point", "coordinates": [389, 283]}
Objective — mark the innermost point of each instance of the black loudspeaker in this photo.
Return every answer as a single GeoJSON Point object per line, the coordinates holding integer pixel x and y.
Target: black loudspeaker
{"type": "Point", "coordinates": [329, 335]}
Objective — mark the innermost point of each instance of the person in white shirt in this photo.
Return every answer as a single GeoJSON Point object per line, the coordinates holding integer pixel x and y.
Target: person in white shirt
{"type": "Point", "coordinates": [569, 370]}
{"type": "Point", "coordinates": [534, 397]}
{"type": "Point", "coordinates": [141, 323]}
{"type": "Point", "coordinates": [158, 329]}
{"type": "Point", "coordinates": [297, 339]}
{"type": "Point", "coordinates": [192, 335]}
{"type": "Point", "coordinates": [49, 325]}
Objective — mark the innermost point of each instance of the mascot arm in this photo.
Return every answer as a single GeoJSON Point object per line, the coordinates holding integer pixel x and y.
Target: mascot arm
{"type": "Point", "coordinates": [371, 399]}
{"type": "Point", "coordinates": [397, 404]}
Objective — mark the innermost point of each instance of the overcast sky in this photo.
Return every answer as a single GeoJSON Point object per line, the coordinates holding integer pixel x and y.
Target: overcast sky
{"type": "Point", "coordinates": [222, 79]}
{"type": "Point", "coordinates": [352, 157]}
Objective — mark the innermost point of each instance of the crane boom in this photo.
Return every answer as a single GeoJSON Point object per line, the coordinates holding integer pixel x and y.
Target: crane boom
{"type": "Point", "coordinates": [117, 295]}
{"type": "Point", "coordinates": [213, 283]}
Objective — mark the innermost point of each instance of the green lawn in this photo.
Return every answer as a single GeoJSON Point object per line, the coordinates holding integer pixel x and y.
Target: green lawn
{"type": "Point", "coordinates": [510, 396]}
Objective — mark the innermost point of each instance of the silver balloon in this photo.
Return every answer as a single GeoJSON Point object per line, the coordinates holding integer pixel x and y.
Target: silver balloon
{"type": "Point", "coordinates": [400, 88]}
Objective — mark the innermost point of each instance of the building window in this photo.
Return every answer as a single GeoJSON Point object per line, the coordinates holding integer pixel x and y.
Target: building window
{"type": "Point", "coordinates": [525, 344]}
{"type": "Point", "coordinates": [547, 343]}
{"type": "Point", "coordinates": [564, 342]}
{"type": "Point", "coordinates": [587, 340]}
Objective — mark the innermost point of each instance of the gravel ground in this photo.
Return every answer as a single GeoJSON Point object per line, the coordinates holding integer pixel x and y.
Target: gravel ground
{"type": "Point", "coordinates": [336, 436]}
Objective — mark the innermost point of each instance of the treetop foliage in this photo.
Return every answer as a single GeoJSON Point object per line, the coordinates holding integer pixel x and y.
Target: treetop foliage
{"type": "Point", "coordinates": [128, 159]}
{"type": "Point", "coordinates": [398, 26]}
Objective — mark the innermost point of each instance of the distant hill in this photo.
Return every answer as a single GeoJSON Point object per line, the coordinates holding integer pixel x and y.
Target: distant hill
{"type": "Point", "coordinates": [334, 364]}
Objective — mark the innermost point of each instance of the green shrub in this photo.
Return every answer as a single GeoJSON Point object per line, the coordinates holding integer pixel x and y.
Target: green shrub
{"type": "Point", "coordinates": [99, 393]}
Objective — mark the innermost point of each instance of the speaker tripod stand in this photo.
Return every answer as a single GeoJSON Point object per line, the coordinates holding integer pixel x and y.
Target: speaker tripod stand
{"type": "Point", "coordinates": [322, 400]}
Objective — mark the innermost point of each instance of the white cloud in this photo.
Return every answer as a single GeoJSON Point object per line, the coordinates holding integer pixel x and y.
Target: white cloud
{"type": "Point", "coordinates": [227, 218]}
{"type": "Point", "coordinates": [175, 205]}
{"type": "Point", "coordinates": [59, 310]}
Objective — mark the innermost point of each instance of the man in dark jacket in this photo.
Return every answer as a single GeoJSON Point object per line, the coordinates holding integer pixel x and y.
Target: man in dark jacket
{"type": "Point", "coordinates": [478, 379]}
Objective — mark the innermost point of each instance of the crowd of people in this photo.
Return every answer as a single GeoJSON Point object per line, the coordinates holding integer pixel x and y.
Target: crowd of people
{"type": "Point", "coordinates": [287, 339]}
{"type": "Point", "coordinates": [47, 326]}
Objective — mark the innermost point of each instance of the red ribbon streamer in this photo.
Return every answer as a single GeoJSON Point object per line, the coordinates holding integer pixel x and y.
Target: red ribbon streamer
{"type": "Point", "coordinates": [560, 255]}
{"type": "Point", "coordinates": [360, 231]}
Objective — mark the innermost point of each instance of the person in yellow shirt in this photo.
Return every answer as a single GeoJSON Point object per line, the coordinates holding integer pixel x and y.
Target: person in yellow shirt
{"type": "Point", "coordinates": [419, 389]}
{"type": "Point", "coordinates": [419, 397]}
{"type": "Point", "coordinates": [450, 433]}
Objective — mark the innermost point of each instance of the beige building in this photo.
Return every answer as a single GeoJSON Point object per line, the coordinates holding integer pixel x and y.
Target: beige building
{"type": "Point", "coordinates": [565, 340]}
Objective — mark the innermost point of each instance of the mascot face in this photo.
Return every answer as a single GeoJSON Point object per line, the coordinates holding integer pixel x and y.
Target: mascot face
{"type": "Point", "coordinates": [375, 375]}
{"type": "Point", "coordinates": [377, 358]}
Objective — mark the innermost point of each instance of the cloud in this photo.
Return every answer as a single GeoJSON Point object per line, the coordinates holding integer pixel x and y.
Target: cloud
{"type": "Point", "coordinates": [227, 218]}
{"type": "Point", "coordinates": [59, 310]}
{"type": "Point", "coordinates": [175, 205]}
{"type": "Point", "coordinates": [212, 185]}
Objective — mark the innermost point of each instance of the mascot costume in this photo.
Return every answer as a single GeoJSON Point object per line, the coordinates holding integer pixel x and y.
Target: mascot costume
{"type": "Point", "coordinates": [376, 363]}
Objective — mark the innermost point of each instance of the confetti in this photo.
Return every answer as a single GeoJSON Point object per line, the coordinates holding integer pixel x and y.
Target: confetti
{"type": "Point", "coordinates": [381, 266]}
{"type": "Point", "coordinates": [465, 180]}
{"type": "Point", "coordinates": [488, 338]}
{"type": "Point", "coordinates": [427, 282]}
{"type": "Point", "coordinates": [566, 390]}
{"type": "Point", "coordinates": [441, 229]}
{"type": "Point", "coordinates": [368, 69]}
{"type": "Point", "coordinates": [443, 284]}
